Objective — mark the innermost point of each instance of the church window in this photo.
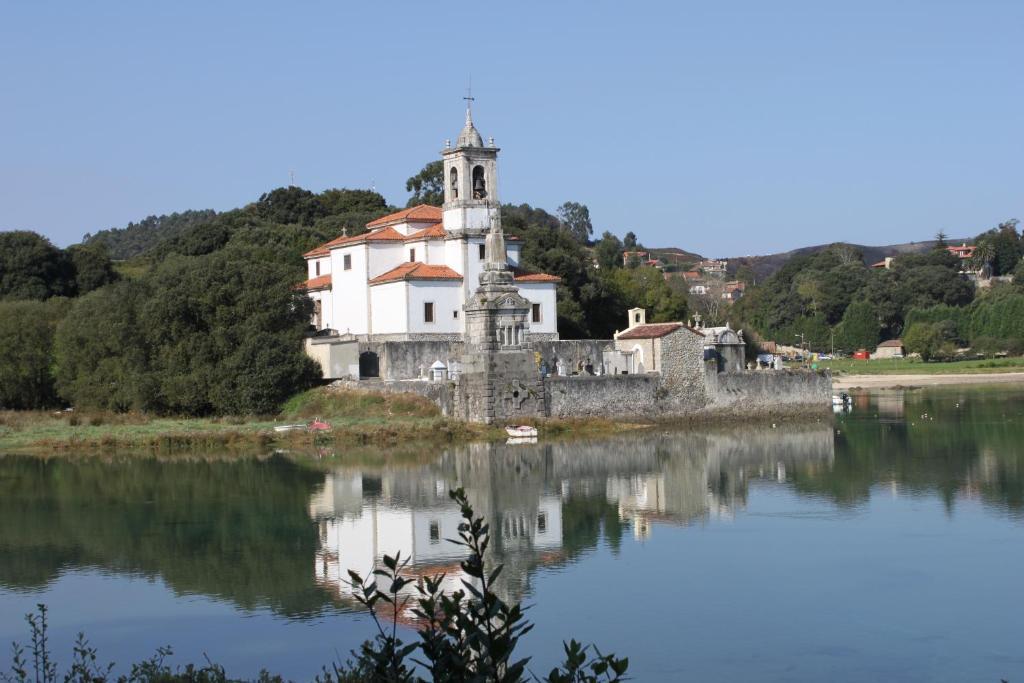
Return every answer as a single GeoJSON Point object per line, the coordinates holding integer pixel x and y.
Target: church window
{"type": "Point", "coordinates": [455, 314]}
{"type": "Point", "coordinates": [479, 184]}
{"type": "Point", "coordinates": [535, 310]}
{"type": "Point", "coordinates": [454, 183]}
{"type": "Point", "coordinates": [483, 252]}
{"type": "Point", "coordinates": [347, 261]}
{"type": "Point", "coordinates": [412, 255]}
{"type": "Point", "coordinates": [318, 268]}
{"type": "Point", "coordinates": [428, 311]}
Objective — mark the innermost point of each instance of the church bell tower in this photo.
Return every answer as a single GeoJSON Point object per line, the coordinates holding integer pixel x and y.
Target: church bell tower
{"type": "Point", "coordinates": [470, 181]}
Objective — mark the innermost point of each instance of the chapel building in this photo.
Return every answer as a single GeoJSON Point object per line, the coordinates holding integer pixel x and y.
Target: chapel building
{"type": "Point", "coordinates": [410, 275]}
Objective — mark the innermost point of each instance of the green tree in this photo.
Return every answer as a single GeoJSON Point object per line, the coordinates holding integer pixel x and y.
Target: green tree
{"type": "Point", "coordinates": [91, 267]}
{"type": "Point", "coordinates": [227, 332]}
{"type": "Point", "coordinates": [645, 287]}
{"type": "Point", "coordinates": [26, 364]}
{"type": "Point", "coordinates": [101, 354]}
{"type": "Point", "coordinates": [923, 338]}
{"type": "Point", "coordinates": [629, 241]}
{"type": "Point", "coordinates": [289, 205]}
{"type": "Point", "coordinates": [576, 219]}
{"type": "Point", "coordinates": [32, 268]}
{"type": "Point", "coordinates": [859, 328]}
{"type": "Point", "coordinates": [136, 239]}
{"type": "Point", "coordinates": [427, 186]}
{"type": "Point", "coordinates": [608, 251]}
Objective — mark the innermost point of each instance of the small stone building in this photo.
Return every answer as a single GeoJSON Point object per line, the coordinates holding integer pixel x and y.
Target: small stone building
{"type": "Point", "coordinates": [644, 344]}
{"type": "Point", "coordinates": [889, 349]}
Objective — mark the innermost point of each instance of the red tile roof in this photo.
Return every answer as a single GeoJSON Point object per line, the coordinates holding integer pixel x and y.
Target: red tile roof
{"type": "Point", "coordinates": [537, 277]}
{"type": "Point", "coordinates": [434, 232]}
{"type": "Point", "coordinates": [414, 270]}
{"type": "Point", "coordinates": [650, 331]}
{"type": "Point", "coordinates": [321, 282]}
{"type": "Point", "coordinates": [424, 213]}
{"type": "Point", "coordinates": [385, 235]}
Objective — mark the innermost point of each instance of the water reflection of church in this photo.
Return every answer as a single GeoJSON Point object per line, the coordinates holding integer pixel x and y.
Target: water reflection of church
{"type": "Point", "coordinates": [527, 492]}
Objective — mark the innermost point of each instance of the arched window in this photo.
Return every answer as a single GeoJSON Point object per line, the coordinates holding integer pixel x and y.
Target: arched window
{"type": "Point", "coordinates": [479, 184]}
{"type": "Point", "coordinates": [454, 183]}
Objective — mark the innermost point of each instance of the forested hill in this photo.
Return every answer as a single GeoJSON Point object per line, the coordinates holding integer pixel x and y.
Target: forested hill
{"type": "Point", "coordinates": [137, 238]}
{"type": "Point", "coordinates": [765, 266]}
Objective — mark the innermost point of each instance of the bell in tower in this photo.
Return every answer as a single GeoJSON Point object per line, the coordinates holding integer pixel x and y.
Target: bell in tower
{"type": "Point", "coordinates": [471, 170]}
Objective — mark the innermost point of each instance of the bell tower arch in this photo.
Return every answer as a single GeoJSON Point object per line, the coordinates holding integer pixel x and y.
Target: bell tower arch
{"type": "Point", "coordinates": [471, 181]}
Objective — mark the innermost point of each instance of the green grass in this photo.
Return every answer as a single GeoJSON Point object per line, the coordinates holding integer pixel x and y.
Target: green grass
{"type": "Point", "coordinates": [914, 366]}
{"type": "Point", "coordinates": [358, 418]}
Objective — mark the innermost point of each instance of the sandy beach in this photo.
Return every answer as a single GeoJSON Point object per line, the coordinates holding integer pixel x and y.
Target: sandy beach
{"type": "Point", "coordinates": [892, 381]}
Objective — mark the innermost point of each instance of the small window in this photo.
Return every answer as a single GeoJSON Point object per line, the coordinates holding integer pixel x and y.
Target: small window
{"type": "Point", "coordinates": [318, 268]}
{"type": "Point", "coordinates": [542, 522]}
{"type": "Point", "coordinates": [483, 252]}
{"type": "Point", "coordinates": [535, 308]}
{"type": "Point", "coordinates": [348, 262]}
{"type": "Point", "coordinates": [455, 314]}
{"type": "Point", "coordinates": [435, 532]}
{"type": "Point", "coordinates": [428, 312]}
{"type": "Point", "coordinates": [412, 255]}
{"type": "Point", "coordinates": [636, 317]}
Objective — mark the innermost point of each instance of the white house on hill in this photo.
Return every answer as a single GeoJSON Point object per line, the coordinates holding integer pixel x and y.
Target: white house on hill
{"type": "Point", "coordinates": [409, 276]}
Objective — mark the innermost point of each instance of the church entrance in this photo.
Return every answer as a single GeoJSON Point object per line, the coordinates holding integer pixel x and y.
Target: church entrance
{"type": "Point", "coordinates": [369, 365]}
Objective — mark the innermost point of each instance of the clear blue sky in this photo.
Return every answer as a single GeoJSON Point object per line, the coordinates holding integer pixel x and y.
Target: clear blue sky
{"type": "Point", "coordinates": [726, 128]}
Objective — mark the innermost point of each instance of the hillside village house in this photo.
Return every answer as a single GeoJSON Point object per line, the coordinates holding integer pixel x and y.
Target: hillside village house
{"type": "Point", "coordinates": [409, 276]}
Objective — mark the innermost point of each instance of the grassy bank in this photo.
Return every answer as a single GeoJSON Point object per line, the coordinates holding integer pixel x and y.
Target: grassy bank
{"type": "Point", "coordinates": [914, 366]}
{"type": "Point", "coordinates": [357, 418]}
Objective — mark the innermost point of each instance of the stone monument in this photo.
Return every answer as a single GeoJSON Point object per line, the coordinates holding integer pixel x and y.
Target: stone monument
{"type": "Point", "coordinates": [500, 381]}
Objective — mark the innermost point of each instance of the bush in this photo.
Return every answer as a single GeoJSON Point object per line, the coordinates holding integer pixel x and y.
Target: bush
{"type": "Point", "coordinates": [925, 339]}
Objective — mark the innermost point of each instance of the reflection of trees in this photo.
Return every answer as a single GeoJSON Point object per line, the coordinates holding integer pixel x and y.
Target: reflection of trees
{"type": "Point", "coordinates": [238, 530]}
{"type": "Point", "coordinates": [953, 443]}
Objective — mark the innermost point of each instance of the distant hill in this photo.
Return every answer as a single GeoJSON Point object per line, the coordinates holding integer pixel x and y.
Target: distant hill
{"type": "Point", "coordinates": [764, 266]}
{"type": "Point", "coordinates": [675, 255]}
{"type": "Point", "coordinates": [137, 238]}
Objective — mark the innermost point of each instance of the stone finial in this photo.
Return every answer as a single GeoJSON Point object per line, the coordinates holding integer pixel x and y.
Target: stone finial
{"type": "Point", "coordinates": [490, 141]}
{"type": "Point", "coordinates": [448, 143]}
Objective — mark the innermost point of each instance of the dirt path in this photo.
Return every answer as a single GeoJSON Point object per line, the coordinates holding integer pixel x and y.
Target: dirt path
{"type": "Point", "coordinates": [891, 381]}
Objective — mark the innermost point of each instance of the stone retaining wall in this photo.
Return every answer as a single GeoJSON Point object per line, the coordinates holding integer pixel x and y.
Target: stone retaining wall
{"type": "Point", "coordinates": [606, 396]}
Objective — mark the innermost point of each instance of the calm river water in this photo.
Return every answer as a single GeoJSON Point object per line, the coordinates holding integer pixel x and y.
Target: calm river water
{"type": "Point", "coordinates": [888, 545]}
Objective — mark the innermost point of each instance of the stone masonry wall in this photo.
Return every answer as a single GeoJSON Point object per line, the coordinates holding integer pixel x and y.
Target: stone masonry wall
{"type": "Point", "coordinates": [606, 396]}
{"type": "Point", "coordinates": [770, 391]}
{"type": "Point", "coordinates": [404, 360]}
{"type": "Point", "coordinates": [572, 352]}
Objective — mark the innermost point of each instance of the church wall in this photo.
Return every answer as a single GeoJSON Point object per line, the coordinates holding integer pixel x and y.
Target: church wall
{"type": "Point", "coordinates": [351, 300]}
{"type": "Point", "coordinates": [446, 297]}
{"type": "Point", "coordinates": [542, 293]}
{"type": "Point", "coordinates": [383, 256]}
{"type": "Point", "coordinates": [390, 307]}
{"type": "Point", "coordinates": [435, 253]}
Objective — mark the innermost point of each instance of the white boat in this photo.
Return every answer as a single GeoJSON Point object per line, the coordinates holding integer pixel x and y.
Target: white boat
{"type": "Point", "coordinates": [288, 428]}
{"type": "Point", "coordinates": [521, 431]}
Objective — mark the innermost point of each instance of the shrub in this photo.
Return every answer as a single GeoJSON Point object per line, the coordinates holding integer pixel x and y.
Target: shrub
{"type": "Point", "coordinates": [923, 338]}
{"type": "Point", "coordinates": [26, 365]}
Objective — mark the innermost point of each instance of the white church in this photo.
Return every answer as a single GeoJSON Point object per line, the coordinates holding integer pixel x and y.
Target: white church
{"type": "Point", "coordinates": [409, 276]}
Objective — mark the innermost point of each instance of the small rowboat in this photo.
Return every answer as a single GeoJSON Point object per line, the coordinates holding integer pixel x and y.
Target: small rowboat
{"type": "Point", "coordinates": [289, 428]}
{"type": "Point", "coordinates": [319, 425]}
{"type": "Point", "coordinates": [521, 431]}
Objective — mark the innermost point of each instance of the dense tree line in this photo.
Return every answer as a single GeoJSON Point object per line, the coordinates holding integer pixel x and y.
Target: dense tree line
{"type": "Point", "coordinates": [32, 268]}
{"type": "Point", "coordinates": [833, 297]}
{"type": "Point", "coordinates": [137, 238]}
